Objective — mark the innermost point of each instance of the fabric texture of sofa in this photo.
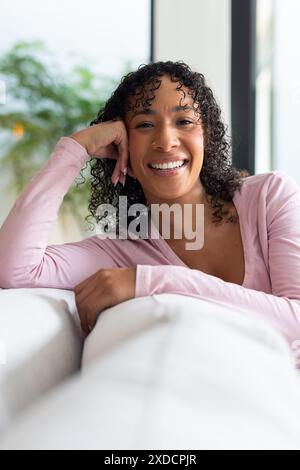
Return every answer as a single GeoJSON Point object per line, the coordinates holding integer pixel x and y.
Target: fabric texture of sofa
{"type": "Point", "coordinates": [160, 372]}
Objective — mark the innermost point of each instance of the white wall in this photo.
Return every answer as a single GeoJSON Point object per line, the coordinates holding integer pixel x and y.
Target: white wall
{"type": "Point", "coordinates": [287, 87]}
{"type": "Point", "coordinates": [102, 34]}
{"type": "Point", "coordinates": [199, 33]}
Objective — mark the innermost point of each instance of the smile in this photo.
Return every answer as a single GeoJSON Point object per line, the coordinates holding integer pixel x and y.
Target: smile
{"type": "Point", "coordinates": [174, 168]}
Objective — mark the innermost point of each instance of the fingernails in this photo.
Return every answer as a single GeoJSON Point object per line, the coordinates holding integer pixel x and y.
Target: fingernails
{"type": "Point", "coordinates": [116, 182]}
{"type": "Point", "coordinates": [125, 171]}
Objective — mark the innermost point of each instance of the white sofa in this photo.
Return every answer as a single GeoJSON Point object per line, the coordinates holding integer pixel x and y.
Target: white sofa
{"type": "Point", "coordinates": [41, 345]}
{"type": "Point", "coordinates": [160, 372]}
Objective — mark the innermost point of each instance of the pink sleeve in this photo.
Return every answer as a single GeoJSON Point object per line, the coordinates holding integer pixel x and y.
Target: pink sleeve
{"type": "Point", "coordinates": [281, 309]}
{"type": "Point", "coordinates": [26, 261]}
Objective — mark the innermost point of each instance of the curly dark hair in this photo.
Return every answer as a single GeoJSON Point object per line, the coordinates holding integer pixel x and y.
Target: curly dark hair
{"type": "Point", "coordinates": [219, 178]}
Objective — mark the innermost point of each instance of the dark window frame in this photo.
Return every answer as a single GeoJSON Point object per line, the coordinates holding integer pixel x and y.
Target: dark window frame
{"type": "Point", "coordinates": [152, 14]}
{"type": "Point", "coordinates": [243, 76]}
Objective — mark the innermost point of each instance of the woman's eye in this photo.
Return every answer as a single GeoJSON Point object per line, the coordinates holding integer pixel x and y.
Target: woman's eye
{"type": "Point", "coordinates": [143, 124]}
{"type": "Point", "coordinates": [185, 120]}
{"type": "Point", "coordinates": [149, 123]}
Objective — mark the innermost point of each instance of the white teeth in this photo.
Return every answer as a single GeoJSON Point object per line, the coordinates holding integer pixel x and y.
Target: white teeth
{"type": "Point", "coordinates": [165, 166]}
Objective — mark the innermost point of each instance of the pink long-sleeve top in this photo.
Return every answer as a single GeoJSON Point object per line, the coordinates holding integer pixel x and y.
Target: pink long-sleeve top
{"type": "Point", "coordinates": [268, 206]}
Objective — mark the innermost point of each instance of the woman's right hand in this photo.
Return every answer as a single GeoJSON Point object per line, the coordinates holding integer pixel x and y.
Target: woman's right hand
{"type": "Point", "coordinates": [107, 139]}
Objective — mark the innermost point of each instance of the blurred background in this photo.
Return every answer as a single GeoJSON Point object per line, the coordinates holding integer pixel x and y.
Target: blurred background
{"type": "Point", "coordinates": [59, 62]}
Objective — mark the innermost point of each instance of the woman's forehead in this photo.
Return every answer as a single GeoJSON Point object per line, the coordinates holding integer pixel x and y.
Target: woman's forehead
{"type": "Point", "coordinates": [161, 92]}
{"type": "Point", "coordinates": [149, 103]}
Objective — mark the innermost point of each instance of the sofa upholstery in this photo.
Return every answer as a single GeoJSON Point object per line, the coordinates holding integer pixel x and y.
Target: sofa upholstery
{"type": "Point", "coordinates": [41, 343]}
{"type": "Point", "coordinates": [166, 371]}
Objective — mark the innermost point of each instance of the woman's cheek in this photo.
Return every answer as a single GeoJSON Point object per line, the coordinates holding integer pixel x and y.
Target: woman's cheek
{"type": "Point", "coordinates": [133, 144]}
{"type": "Point", "coordinates": [136, 150]}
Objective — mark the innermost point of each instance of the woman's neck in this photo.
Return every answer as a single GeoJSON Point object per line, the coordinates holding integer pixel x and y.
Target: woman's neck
{"type": "Point", "coordinates": [186, 214]}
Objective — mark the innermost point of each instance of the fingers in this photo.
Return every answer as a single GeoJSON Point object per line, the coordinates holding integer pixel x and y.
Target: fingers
{"type": "Point", "coordinates": [121, 178]}
{"type": "Point", "coordinates": [83, 320]}
{"type": "Point", "coordinates": [84, 325]}
{"type": "Point", "coordinates": [123, 150]}
{"type": "Point", "coordinates": [116, 173]}
{"type": "Point", "coordinates": [88, 319]}
{"type": "Point", "coordinates": [82, 309]}
{"type": "Point", "coordinates": [91, 321]}
{"type": "Point", "coordinates": [81, 315]}
{"type": "Point", "coordinates": [84, 294]}
{"type": "Point", "coordinates": [81, 292]}
{"type": "Point", "coordinates": [123, 167]}
{"type": "Point", "coordinates": [118, 176]}
{"type": "Point", "coordinates": [122, 144]}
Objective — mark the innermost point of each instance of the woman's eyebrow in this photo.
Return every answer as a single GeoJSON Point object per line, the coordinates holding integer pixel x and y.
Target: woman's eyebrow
{"type": "Point", "coordinates": [150, 111]}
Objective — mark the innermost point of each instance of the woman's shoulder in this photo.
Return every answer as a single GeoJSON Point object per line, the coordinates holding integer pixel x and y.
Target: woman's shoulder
{"type": "Point", "coordinates": [269, 185]}
{"type": "Point", "coordinates": [260, 178]}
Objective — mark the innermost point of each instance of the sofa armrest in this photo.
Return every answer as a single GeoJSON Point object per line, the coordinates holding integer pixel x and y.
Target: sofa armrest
{"type": "Point", "coordinates": [41, 344]}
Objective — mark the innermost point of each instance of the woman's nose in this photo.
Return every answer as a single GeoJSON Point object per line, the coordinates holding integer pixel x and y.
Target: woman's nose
{"type": "Point", "coordinates": [165, 139]}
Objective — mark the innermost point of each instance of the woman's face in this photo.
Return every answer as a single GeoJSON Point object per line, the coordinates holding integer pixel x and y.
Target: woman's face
{"type": "Point", "coordinates": [166, 136]}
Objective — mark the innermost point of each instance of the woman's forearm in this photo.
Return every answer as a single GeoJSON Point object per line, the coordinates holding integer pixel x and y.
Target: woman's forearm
{"type": "Point", "coordinates": [25, 232]}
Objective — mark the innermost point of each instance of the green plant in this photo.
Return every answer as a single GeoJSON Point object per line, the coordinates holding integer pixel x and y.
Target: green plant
{"type": "Point", "coordinates": [44, 104]}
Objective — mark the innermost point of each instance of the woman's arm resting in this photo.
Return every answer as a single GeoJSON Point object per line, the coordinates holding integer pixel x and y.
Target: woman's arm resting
{"type": "Point", "coordinates": [281, 313]}
{"type": "Point", "coordinates": [26, 261]}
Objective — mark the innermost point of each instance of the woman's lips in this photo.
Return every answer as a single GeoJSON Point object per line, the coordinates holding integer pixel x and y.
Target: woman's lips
{"type": "Point", "coordinates": [169, 171]}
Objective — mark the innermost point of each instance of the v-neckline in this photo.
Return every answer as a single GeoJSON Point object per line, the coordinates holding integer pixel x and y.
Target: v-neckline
{"type": "Point", "coordinates": [161, 243]}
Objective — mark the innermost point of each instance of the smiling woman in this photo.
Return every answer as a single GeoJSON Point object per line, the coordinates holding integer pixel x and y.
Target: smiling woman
{"type": "Point", "coordinates": [170, 115]}
{"type": "Point", "coordinates": [169, 140]}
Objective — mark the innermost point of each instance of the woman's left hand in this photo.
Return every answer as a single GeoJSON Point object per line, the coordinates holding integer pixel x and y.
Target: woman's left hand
{"type": "Point", "coordinates": [105, 288]}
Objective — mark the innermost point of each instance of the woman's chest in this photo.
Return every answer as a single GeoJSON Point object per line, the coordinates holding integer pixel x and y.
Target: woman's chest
{"type": "Point", "coordinates": [222, 254]}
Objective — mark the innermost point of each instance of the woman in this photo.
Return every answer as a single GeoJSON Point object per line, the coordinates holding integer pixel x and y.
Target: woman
{"type": "Point", "coordinates": [162, 113]}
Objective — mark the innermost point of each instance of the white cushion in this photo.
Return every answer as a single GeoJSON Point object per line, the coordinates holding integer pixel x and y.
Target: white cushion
{"type": "Point", "coordinates": [171, 372]}
{"type": "Point", "coordinates": [41, 344]}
